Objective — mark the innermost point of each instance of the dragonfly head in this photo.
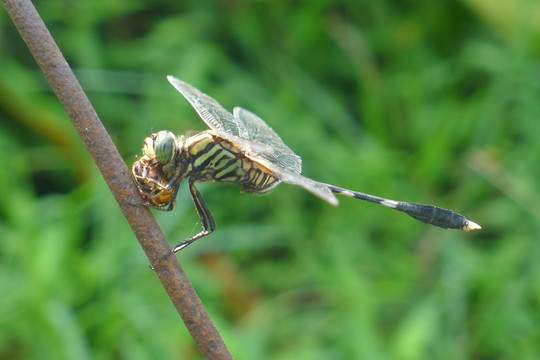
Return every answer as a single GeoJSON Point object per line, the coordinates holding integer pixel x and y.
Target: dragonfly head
{"type": "Point", "coordinates": [161, 146]}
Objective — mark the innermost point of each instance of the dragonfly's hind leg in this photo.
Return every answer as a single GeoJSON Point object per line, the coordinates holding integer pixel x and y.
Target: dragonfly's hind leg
{"type": "Point", "coordinates": [207, 221]}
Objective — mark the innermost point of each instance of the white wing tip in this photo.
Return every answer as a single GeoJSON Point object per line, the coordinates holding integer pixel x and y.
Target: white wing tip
{"type": "Point", "coordinates": [332, 200]}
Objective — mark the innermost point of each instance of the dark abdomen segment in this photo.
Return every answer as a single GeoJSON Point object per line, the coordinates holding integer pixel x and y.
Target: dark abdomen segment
{"type": "Point", "coordinates": [428, 214]}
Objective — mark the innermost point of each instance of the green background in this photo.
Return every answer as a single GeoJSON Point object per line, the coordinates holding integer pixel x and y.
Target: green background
{"type": "Point", "coordinates": [433, 102]}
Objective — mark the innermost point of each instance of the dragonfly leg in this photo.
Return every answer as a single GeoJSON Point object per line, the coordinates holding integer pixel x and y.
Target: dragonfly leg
{"type": "Point", "coordinates": [207, 221]}
{"type": "Point", "coordinates": [157, 183]}
{"type": "Point", "coordinates": [155, 194]}
{"type": "Point", "coordinates": [163, 200]}
{"type": "Point", "coordinates": [428, 214]}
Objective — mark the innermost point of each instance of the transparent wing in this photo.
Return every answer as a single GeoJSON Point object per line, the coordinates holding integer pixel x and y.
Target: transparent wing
{"type": "Point", "coordinates": [316, 188]}
{"type": "Point", "coordinates": [254, 136]}
{"type": "Point", "coordinates": [259, 131]}
{"type": "Point", "coordinates": [210, 111]}
{"type": "Point", "coordinates": [262, 141]}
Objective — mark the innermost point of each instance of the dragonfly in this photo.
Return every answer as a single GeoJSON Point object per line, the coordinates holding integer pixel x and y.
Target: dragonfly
{"type": "Point", "coordinates": [241, 148]}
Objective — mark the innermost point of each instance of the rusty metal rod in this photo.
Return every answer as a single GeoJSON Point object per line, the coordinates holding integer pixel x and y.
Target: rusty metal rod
{"type": "Point", "coordinates": [116, 174]}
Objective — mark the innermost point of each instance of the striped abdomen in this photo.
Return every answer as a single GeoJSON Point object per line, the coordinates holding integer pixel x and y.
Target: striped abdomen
{"type": "Point", "coordinates": [259, 179]}
{"type": "Point", "coordinates": [212, 158]}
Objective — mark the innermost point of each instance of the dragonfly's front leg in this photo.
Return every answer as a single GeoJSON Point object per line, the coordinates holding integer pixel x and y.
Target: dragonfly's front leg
{"type": "Point", "coordinates": [207, 220]}
{"type": "Point", "coordinates": [163, 200]}
{"type": "Point", "coordinates": [155, 194]}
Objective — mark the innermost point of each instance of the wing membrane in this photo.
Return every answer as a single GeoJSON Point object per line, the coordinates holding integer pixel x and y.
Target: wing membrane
{"type": "Point", "coordinates": [259, 140]}
{"type": "Point", "coordinates": [259, 131]}
{"type": "Point", "coordinates": [316, 188]}
{"type": "Point", "coordinates": [210, 111]}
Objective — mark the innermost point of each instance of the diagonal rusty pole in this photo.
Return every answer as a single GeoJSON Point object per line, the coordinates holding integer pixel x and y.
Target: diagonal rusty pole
{"type": "Point", "coordinates": [114, 171]}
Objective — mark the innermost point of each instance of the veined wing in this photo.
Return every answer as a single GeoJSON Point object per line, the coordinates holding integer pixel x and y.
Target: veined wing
{"type": "Point", "coordinates": [261, 142]}
{"type": "Point", "coordinates": [316, 188]}
{"type": "Point", "coordinates": [260, 132]}
{"type": "Point", "coordinates": [210, 111]}
{"type": "Point", "coordinates": [255, 137]}
{"type": "Point", "coordinates": [283, 162]}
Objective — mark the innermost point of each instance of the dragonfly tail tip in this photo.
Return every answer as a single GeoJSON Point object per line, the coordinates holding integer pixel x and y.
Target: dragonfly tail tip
{"type": "Point", "coordinates": [471, 225]}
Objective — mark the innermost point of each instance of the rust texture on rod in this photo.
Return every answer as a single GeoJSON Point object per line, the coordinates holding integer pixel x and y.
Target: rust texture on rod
{"type": "Point", "coordinates": [116, 174]}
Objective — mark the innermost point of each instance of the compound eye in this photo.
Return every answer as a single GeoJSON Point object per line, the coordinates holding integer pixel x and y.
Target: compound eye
{"type": "Point", "coordinates": [165, 146]}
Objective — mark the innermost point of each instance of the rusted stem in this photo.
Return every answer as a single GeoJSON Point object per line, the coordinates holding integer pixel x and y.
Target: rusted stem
{"type": "Point", "coordinates": [114, 171]}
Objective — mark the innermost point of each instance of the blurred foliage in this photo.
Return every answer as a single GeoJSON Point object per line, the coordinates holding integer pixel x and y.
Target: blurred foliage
{"type": "Point", "coordinates": [433, 102]}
